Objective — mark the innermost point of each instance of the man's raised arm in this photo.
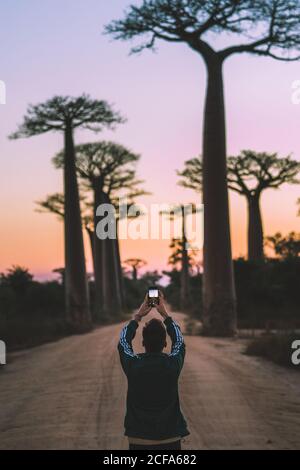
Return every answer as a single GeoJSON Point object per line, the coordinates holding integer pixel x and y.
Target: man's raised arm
{"type": "Point", "coordinates": [125, 348]}
{"type": "Point", "coordinates": [173, 330]}
{"type": "Point", "coordinates": [125, 344]}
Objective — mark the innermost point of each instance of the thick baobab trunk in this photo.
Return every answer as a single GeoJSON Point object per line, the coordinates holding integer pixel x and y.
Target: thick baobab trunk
{"type": "Point", "coordinates": [255, 230]}
{"type": "Point", "coordinates": [116, 283]}
{"type": "Point", "coordinates": [76, 286]}
{"type": "Point", "coordinates": [184, 277]}
{"type": "Point", "coordinates": [91, 239]}
{"type": "Point", "coordinates": [114, 260]}
{"type": "Point", "coordinates": [100, 310]}
{"type": "Point", "coordinates": [119, 268]}
{"type": "Point", "coordinates": [219, 299]}
{"type": "Point", "coordinates": [107, 289]}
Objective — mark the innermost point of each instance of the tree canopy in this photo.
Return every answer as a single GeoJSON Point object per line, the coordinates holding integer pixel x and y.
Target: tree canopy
{"type": "Point", "coordinates": [268, 28]}
{"type": "Point", "coordinates": [107, 165]}
{"type": "Point", "coordinates": [59, 112]}
{"type": "Point", "coordinates": [248, 173]}
{"type": "Point", "coordinates": [251, 172]}
{"type": "Point", "coordinates": [17, 277]}
{"type": "Point", "coordinates": [286, 247]}
{"type": "Point", "coordinates": [54, 203]}
{"type": "Point", "coordinates": [135, 264]}
{"type": "Point", "coordinates": [177, 247]}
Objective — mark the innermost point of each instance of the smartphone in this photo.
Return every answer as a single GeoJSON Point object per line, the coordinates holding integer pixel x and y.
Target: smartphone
{"type": "Point", "coordinates": [153, 296]}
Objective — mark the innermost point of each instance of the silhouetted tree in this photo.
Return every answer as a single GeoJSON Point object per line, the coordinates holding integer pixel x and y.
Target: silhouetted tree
{"type": "Point", "coordinates": [61, 273]}
{"type": "Point", "coordinates": [151, 278]}
{"type": "Point", "coordinates": [88, 223]}
{"type": "Point", "coordinates": [55, 204]}
{"type": "Point", "coordinates": [182, 211]}
{"type": "Point", "coordinates": [17, 278]}
{"type": "Point", "coordinates": [130, 211]}
{"type": "Point", "coordinates": [107, 169]}
{"type": "Point", "coordinates": [286, 247]}
{"type": "Point", "coordinates": [135, 264]}
{"type": "Point", "coordinates": [65, 114]}
{"type": "Point", "coordinates": [175, 257]}
{"type": "Point", "coordinates": [265, 28]}
{"type": "Point", "coordinates": [180, 256]}
{"type": "Point", "coordinates": [249, 174]}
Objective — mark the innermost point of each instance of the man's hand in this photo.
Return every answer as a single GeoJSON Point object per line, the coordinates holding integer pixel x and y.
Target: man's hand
{"type": "Point", "coordinates": [161, 306]}
{"type": "Point", "coordinates": [143, 310]}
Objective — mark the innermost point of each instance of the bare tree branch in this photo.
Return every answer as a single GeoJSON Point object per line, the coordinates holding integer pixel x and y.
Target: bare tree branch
{"type": "Point", "coordinates": [272, 26]}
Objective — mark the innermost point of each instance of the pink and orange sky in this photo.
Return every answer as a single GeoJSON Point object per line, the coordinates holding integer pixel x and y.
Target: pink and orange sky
{"type": "Point", "coordinates": [55, 47]}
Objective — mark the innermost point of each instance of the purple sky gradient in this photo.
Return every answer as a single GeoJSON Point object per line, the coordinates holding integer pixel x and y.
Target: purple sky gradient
{"type": "Point", "coordinates": [54, 47]}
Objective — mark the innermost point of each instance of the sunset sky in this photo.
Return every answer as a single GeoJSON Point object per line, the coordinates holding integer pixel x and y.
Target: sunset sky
{"type": "Point", "coordinates": [54, 47]}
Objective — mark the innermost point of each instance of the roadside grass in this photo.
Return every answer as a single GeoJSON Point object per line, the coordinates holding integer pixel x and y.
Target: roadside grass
{"type": "Point", "coordinates": [276, 347]}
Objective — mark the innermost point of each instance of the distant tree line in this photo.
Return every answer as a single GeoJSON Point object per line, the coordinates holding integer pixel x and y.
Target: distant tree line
{"type": "Point", "coordinates": [33, 312]}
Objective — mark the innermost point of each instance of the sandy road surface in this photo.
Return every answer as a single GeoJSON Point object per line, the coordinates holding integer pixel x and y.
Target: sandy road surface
{"type": "Point", "coordinates": [71, 395]}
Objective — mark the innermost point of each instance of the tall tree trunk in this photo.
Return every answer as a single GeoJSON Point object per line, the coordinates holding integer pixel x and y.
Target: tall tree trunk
{"type": "Point", "coordinates": [100, 309]}
{"type": "Point", "coordinates": [91, 235]}
{"type": "Point", "coordinates": [184, 276]}
{"type": "Point", "coordinates": [219, 299]}
{"type": "Point", "coordinates": [113, 259]}
{"type": "Point", "coordinates": [119, 268]}
{"type": "Point", "coordinates": [76, 286]}
{"type": "Point", "coordinates": [255, 230]}
{"type": "Point", "coordinates": [107, 297]}
{"type": "Point", "coordinates": [91, 238]}
{"type": "Point", "coordinates": [116, 287]}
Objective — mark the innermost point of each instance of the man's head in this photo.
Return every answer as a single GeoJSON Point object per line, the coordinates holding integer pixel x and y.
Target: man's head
{"type": "Point", "coordinates": [154, 336]}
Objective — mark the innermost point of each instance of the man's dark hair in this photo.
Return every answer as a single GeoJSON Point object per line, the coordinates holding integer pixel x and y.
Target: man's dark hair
{"type": "Point", "coordinates": [154, 336]}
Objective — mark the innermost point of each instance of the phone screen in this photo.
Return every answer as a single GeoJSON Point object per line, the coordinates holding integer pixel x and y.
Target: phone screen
{"type": "Point", "coordinates": [153, 293]}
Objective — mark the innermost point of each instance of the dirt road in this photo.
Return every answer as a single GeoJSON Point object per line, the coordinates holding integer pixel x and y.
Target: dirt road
{"type": "Point", "coordinates": [71, 395]}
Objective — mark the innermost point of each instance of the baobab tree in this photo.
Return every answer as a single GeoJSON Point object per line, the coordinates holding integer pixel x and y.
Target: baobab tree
{"type": "Point", "coordinates": [185, 259]}
{"type": "Point", "coordinates": [65, 114]}
{"type": "Point", "coordinates": [55, 204]}
{"type": "Point", "coordinates": [129, 210]}
{"type": "Point", "coordinates": [135, 264]}
{"type": "Point", "coordinates": [175, 258]}
{"type": "Point", "coordinates": [108, 170]}
{"type": "Point", "coordinates": [121, 211]}
{"type": "Point", "coordinates": [268, 28]}
{"type": "Point", "coordinates": [88, 223]}
{"type": "Point", "coordinates": [182, 211]}
{"type": "Point", "coordinates": [249, 174]}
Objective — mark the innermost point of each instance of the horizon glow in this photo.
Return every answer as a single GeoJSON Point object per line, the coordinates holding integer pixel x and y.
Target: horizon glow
{"type": "Point", "coordinates": [54, 47]}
